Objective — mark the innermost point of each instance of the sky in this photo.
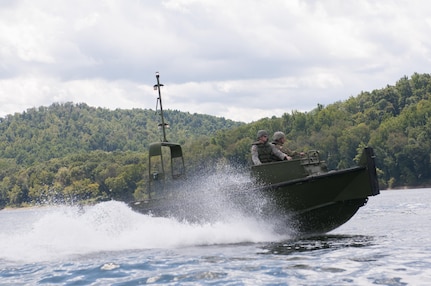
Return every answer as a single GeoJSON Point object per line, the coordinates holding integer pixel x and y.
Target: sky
{"type": "Point", "coordinates": [241, 60]}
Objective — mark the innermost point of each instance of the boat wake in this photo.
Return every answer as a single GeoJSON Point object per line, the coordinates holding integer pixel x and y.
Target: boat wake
{"type": "Point", "coordinates": [52, 233]}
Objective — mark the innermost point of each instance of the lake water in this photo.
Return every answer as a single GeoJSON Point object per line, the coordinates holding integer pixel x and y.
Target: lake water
{"type": "Point", "coordinates": [388, 242]}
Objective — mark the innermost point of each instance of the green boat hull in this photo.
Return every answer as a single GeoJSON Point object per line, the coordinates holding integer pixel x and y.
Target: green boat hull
{"type": "Point", "coordinates": [302, 197]}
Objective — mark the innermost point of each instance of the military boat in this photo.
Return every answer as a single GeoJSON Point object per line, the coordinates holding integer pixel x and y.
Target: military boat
{"type": "Point", "coordinates": [300, 195]}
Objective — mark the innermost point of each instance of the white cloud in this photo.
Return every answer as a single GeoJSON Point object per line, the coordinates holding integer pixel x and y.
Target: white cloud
{"type": "Point", "coordinates": [225, 58]}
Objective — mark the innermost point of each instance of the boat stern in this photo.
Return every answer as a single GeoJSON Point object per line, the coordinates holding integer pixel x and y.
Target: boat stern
{"type": "Point", "coordinates": [367, 161]}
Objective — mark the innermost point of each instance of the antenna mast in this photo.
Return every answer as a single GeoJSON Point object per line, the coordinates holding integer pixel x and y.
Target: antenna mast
{"type": "Point", "coordinates": [163, 124]}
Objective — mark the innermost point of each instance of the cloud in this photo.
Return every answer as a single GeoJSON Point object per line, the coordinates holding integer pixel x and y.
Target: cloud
{"type": "Point", "coordinates": [224, 58]}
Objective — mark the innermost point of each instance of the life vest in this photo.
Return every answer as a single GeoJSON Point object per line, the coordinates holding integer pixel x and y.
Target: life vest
{"type": "Point", "coordinates": [264, 151]}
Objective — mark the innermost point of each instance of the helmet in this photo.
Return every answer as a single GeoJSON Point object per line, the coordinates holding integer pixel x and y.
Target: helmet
{"type": "Point", "coordinates": [261, 133]}
{"type": "Point", "coordinates": [278, 135]}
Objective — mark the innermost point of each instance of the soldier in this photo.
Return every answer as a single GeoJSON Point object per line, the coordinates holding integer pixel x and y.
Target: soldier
{"type": "Point", "coordinates": [263, 152]}
{"type": "Point", "coordinates": [278, 140]}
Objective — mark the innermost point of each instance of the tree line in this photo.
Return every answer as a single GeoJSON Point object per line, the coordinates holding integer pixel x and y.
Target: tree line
{"type": "Point", "coordinates": [73, 152]}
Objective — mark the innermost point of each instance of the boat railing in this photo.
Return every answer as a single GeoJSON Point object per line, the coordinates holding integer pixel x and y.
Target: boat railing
{"type": "Point", "coordinates": [312, 163]}
{"type": "Point", "coordinates": [312, 157]}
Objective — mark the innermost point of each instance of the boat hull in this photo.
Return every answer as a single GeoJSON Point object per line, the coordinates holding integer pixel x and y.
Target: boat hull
{"type": "Point", "coordinates": [326, 218]}
{"type": "Point", "coordinates": [299, 198]}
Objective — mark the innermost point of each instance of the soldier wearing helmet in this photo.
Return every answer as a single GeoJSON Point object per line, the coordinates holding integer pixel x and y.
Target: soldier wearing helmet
{"type": "Point", "coordinates": [263, 152]}
{"type": "Point", "coordinates": [278, 140]}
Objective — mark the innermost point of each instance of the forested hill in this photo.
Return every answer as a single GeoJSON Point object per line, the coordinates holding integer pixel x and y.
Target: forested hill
{"type": "Point", "coordinates": [70, 152]}
{"type": "Point", "coordinates": [43, 133]}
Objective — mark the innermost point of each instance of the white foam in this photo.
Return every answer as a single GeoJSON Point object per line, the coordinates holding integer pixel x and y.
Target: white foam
{"type": "Point", "coordinates": [59, 232]}
{"type": "Point", "coordinates": [48, 233]}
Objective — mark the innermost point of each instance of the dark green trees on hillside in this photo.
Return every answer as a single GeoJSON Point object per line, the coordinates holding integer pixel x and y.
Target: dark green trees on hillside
{"type": "Point", "coordinates": [40, 134]}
